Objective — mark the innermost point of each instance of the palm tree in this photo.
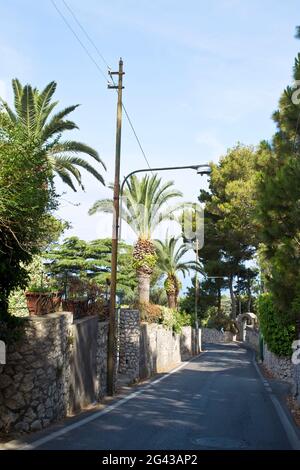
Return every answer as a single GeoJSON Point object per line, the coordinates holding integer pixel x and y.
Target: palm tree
{"type": "Point", "coordinates": [143, 208]}
{"type": "Point", "coordinates": [33, 113]}
{"type": "Point", "coordinates": [169, 260]}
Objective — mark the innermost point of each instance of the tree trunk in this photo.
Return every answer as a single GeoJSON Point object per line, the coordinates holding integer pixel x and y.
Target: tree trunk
{"type": "Point", "coordinates": [219, 300]}
{"type": "Point", "coordinates": [143, 287]}
{"type": "Point", "coordinates": [172, 300]}
{"type": "Point", "coordinates": [233, 299]}
{"type": "Point", "coordinates": [249, 301]}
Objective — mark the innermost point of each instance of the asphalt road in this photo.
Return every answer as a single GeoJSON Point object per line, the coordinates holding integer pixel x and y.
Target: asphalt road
{"type": "Point", "coordinates": [217, 401]}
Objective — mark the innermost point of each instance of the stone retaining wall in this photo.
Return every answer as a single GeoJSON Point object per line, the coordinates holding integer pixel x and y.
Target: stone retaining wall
{"type": "Point", "coordinates": [101, 360]}
{"type": "Point", "coordinates": [129, 337]}
{"type": "Point", "coordinates": [252, 338]}
{"type": "Point", "coordinates": [161, 349]}
{"type": "Point", "coordinates": [59, 366]}
{"type": "Point", "coordinates": [280, 367]}
{"type": "Point", "coordinates": [212, 335]}
{"type": "Point", "coordinates": [35, 379]}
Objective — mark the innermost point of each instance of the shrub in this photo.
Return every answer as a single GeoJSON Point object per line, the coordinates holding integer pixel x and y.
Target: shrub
{"type": "Point", "coordinates": [150, 313]}
{"type": "Point", "coordinates": [168, 317]}
{"type": "Point", "coordinates": [277, 334]}
{"type": "Point", "coordinates": [219, 319]}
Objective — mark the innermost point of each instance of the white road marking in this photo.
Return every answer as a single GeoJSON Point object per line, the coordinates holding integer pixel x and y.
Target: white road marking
{"type": "Point", "coordinates": [287, 425]}
{"type": "Point", "coordinates": [96, 415]}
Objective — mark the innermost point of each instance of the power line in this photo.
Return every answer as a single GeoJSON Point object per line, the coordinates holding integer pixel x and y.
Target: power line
{"type": "Point", "coordinates": [97, 65]}
{"type": "Point", "coordinates": [78, 39]}
{"type": "Point", "coordinates": [85, 33]}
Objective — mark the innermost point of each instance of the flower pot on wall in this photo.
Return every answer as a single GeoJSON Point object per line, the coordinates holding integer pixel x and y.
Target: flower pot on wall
{"type": "Point", "coordinates": [39, 303]}
{"type": "Point", "coordinates": [56, 301]}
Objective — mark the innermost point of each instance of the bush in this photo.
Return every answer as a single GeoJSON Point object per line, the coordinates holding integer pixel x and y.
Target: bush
{"type": "Point", "coordinates": [150, 313]}
{"type": "Point", "coordinates": [168, 317]}
{"type": "Point", "coordinates": [278, 335]}
{"type": "Point", "coordinates": [219, 319]}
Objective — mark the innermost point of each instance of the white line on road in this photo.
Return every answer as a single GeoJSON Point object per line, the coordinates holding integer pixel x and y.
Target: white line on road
{"type": "Point", "coordinates": [96, 415]}
{"type": "Point", "coordinates": [287, 425]}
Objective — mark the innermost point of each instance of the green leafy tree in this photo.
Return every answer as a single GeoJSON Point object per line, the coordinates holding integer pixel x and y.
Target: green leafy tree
{"type": "Point", "coordinates": [144, 207]}
{"type": "Point", "coordinates": [26, 201]}
{"type": "Point", "coordinates": [91, 260]}
{"type": "Point", "coordinates": [278, 205]}
{"type": "Point", "coordinates": [277, 333]}
{"type": "Point", "coordinates": [230, 226]}
{"type": "Point", "coordinates": [33, 112]}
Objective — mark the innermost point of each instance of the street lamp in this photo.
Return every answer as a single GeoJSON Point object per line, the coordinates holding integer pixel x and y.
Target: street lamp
{"type": "Point", "coordinates": [201, 170]}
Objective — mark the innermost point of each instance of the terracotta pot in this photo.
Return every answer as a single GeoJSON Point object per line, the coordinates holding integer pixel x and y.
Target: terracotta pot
{"type": "Point", "coordinates": [39, 303]}
{"type": "Point", "coordinates": [56, 301]}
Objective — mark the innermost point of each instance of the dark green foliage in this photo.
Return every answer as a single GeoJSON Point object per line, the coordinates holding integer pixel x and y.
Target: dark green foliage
{"type": "Point", "coordinates": [208, 297]}
{"type": "Point", "coordinates": [230, 226]}
{"type": "Point", "coordinates": [277, 334]}
{"type": "Point", "coordinates": [33, 113]}
{"type": "Point", "coordinates": [278, 206]}
{"type": "Point", "coordinates": [92, 260]}
{"type": "Point", "coordinates": [26, 199]}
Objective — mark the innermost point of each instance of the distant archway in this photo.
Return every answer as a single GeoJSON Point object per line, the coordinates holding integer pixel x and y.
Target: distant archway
{"type": "Point", "coordinates": [243, 320]}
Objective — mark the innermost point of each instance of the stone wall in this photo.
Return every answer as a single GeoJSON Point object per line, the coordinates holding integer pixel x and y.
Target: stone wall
{"type": "Point", "coordinates": [212, 335]}
{"type": "Point", "coordinates": [129, 343]}
{"type": "Point", "coordinates": [49, 373]}
{"type": "Point", "coordinates": [101, 361]}
{"type": "Point", "coordinates": [34, 382]}
{"type": "Point", "coordinates": [252, 338]}
{"type": "Point", "coordinates": [280, 367]}
{"type": "Point", "coordinates": [296, 384]}
{"type": "Point", "coordinates": [59, 366]}
{"type": "Point", "coordinates": [161, 349]}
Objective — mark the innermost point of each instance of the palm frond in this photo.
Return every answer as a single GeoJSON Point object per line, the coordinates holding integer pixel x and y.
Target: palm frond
{"type": "Point", "coordinates": [56, 127]}
{"type": "Point", "coordinates": [44, 105]}
{"type": "Point", "coordinates": [65, 177]}
{"type": "Point", "coordinates": [18, 93]}
{"type": "Point", "coordinates": [9, 111]}
{"type": "Point", "coordinates": [28, 108]}
{"type": "Point", "coordinates": [103, 205]}
{"type": "Point", "coordinates": [72, 146]}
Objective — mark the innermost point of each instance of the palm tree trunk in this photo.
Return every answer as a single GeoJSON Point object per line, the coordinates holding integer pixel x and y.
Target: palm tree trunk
{"type": "Point", "coordinates": [143, 287]}
{"type": "Point", "coordinates": [171, 300]}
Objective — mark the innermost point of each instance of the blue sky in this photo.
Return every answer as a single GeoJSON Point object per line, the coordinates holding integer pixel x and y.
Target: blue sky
{"type": "Point", "coordinates": [200, 76]}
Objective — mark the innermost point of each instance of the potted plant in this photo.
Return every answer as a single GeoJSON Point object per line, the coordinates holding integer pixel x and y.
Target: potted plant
{"type": "Point", "coordinates": [43, 298]}
{"type": "Point", "coordinates": [84, 298]}
{"type": "Point", "coordinates": [39, 299]}
{"type": "Point", "coordinates": [76, 301]}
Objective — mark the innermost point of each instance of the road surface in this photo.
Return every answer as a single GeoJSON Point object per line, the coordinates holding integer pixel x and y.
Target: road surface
{"type": "Point", "coordinates": [216, 401]}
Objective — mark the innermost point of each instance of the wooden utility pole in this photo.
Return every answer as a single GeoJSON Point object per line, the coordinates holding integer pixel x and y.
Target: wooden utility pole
{"type": "Point", "coordinates": [112, 332]}
{"type": "Point", "coordinates": [196, 297]}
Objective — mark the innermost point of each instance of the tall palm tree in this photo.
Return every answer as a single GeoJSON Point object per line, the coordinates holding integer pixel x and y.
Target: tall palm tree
{"type": "Point", "coordinates": [144, 207]}
{"type": "Point", "coordinates": [33, 112]}
{"type": "Point", "coordinates": [170, 262]}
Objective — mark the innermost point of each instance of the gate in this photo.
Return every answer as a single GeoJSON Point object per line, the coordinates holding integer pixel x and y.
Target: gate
{"type": "Point", "coordinates": [83, 363]}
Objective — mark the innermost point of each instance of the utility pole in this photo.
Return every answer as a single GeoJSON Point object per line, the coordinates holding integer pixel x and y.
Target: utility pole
{"type": "Point", "coordinates": [112, 332]}
{"type": "Point", "coordinates": [196, 297]}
